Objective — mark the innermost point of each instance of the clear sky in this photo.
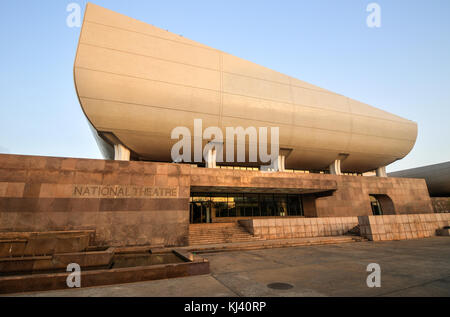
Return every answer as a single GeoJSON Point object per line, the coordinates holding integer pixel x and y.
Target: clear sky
{"type": "Point", "coordinates": [402, 67]}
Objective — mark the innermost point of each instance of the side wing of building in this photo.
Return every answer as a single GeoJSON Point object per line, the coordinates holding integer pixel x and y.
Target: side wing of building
{"type": "Point", "coordinates": [437, 177]}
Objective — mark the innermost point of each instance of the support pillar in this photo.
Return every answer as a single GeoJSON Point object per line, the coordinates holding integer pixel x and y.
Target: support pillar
{"type": "Point", "coordinates": [381, 171]}
{"type": "Point", "coordinates": [335, 168]}
{"type": "Point", "coordinates": [121, 153]}
{"type": "Point", "coordinates": [281, 163]}
{"type": "Point", "coordinates": [211, 158]}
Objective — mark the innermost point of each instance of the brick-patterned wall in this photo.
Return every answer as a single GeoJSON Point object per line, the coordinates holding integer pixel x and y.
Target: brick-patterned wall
{"type": "Point", "coordinates": [350, 194]}
{"type": "Point", "coordinates": [286, 228]}
{"type": "Point", "coordinates": [401, 227]}
{"type": "Point", "coordinates": [37, 194]}
{"type": "Point", "coordinates": [441, 204]}
{"type": "Point", "coordinates": [374, 228]}
{"type": "Point", "coordinates": [408, 195]}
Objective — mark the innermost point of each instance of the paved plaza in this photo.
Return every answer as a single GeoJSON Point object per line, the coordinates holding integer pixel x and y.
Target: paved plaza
{"type": "Point", "coordinates": [408, 268]}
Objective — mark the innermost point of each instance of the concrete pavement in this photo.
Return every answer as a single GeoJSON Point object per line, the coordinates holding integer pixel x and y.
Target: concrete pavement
{"type": "Point", "coordinates": [408, 268]}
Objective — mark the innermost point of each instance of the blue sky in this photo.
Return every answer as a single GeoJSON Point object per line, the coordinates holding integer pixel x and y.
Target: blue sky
{"type": "Point", "coordinates": [402, 67]}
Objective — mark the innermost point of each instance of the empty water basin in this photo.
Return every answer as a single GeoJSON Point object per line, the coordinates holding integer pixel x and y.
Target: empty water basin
{"type": "Point", "coordinates": [144, 259]}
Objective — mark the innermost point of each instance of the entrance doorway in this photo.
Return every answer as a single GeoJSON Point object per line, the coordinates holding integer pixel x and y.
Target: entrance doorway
{"type": "Point", "coordinates": [381, 205]}
{"type": "Point", "coordinates": [376, 206]}
{"type": "Point", "coordinates": [200, 212]}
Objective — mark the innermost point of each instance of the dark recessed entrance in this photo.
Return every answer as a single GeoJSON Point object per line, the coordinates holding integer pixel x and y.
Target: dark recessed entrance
{"type": "Point", "coordinates": [204, 207]}
{"type": "Point", "coordinates": [200, 212]}
{"type": "Point", "coordinates": [376, 206]}
{"type": "Point", "coordinates": [381, 204]}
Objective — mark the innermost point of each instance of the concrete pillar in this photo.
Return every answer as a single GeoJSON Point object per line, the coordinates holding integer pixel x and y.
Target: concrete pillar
{"type": "Point", "coordinates": [121, 153]}
{"type": "Point", "coordinates": [381, 171]}
{"type": "Point", "coordinates": [335, 168]}
{"type": "Point", "coordinates": [211, 158]}
{"type": "Point", "coordinates": [281, 163]}
{"type": "Point", "coordinates": [277, 166]}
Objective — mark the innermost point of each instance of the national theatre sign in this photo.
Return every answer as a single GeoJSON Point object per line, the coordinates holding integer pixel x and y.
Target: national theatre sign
{"type": "Point", "coordinates": [123, 191]}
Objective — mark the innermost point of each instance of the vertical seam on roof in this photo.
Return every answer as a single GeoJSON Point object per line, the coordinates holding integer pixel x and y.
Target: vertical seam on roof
{"type": "Point", "coordinates": [221, 88]}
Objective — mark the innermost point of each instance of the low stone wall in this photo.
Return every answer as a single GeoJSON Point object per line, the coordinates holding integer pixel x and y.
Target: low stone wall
{"type": "Point", "coordinates": [401, 227]}
{"type": "Point", "coordinates": [374, 228]}
{"type": "Point", "coordinates": [125, 203]}
{"type": "Point", "coordinates": [286, 228]}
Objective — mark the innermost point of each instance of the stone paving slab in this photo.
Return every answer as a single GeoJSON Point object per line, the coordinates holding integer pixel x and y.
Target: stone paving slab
{"type": "Point", "coordinates": [408, 268]}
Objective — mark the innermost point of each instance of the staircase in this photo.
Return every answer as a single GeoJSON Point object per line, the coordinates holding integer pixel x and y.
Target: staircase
{"type": "Point", "coordinates": [212, 233]}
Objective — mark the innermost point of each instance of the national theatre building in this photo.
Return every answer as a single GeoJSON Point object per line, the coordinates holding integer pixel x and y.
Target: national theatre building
{"type": "Point", "coordinates": [136, 83]}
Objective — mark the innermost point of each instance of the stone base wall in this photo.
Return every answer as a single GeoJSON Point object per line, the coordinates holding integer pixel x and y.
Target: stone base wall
{"type": "Point", "coordinates": [325, 195]}
{"type": "Point", "coordinates": [401, 227]}
{"type": "Point", "coordinates": [145, 203]}
{"type": "Point", "coordinates": [407, 195]}
{"type": "Point", "coordinates": [287, 228]}
{"type": "Point", "coordinates": [441, 204]}
{"type": "Point", "coordinates": [126, 203]}
{"type": "Point", "coordinates": [374, 228]}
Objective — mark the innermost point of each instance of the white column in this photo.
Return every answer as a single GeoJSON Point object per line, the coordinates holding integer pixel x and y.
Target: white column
{"type": "Point", "coordinates": [121, 153]}
{"type": "Point", "coordinates": [381, 171]}
{"type": "Point", "coordinates": [211, 161]}
{"type": "Point", "coordinates": [335, 168]}
{"type": "Point", "coordinates": [277, 166]}
{"type": "Point", "coordinates": [281, 163]}
{"type": "Point", "coordinates": [214, 157]}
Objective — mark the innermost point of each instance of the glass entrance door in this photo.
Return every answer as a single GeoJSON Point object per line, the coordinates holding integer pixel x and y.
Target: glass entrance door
{"type": "Point", "coordinates": [200, 212]}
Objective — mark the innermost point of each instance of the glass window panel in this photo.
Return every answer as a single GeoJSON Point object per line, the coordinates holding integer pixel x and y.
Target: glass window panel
{"type": "Point", "coordinates": [293, 205]}
{"type": "Point", "coordinates": [200, 197]}
{"type": "Point", "coordinates": [247, 205]}
{"type": "Point", "coordinates": [196, 213]}
{"type": "Point", "coordinates": [280, 205]}
{"type": "Point", "coordinates": [267, 205]}
{"type": "Point", "coordinates": [219, 205]}
{"type": "Point", "coordinates": [231, 206]}
{"type": "Point", "coordinates": [251, 205]}
{"type": "Point", "coordinates": [236, 205]}
{"type": "Point", "coordinates": [300, 202]}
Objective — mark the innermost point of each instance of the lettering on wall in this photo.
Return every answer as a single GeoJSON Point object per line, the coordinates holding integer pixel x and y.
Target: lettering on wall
{"type": "Point", "coordinates": [123, 191]}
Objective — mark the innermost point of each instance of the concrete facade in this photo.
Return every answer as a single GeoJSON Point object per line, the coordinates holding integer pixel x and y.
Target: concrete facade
{"type": "Point", "coordinates": [437, 177]}
{"type": "Point", "coordinates": [325, 195]}
{"type": "Point", "coordinates": [402, 227]}
{"type": "Point", "coordinates": [374, 228]}
{"type": "Point", "coordinates": [139, 203]}
{"type": "Point", "coordinates": [45, 194]}
{"type": "Point", "coordinates": [441, 204]}
{"type": "Point", "coordinates": [136, 83]}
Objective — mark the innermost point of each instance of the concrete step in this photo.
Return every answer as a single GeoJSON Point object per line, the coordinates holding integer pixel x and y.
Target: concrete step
{"type": "Point", "coordinates": [225, 238]}
{"type": "Point", "coordinates": [222, 229]}
{"type": "Point", "coordinates": [278, 243]}
{"type": "Point", "coordinates": [212, 233]}
{"type": "Point", "coordinates": [213, 225]}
